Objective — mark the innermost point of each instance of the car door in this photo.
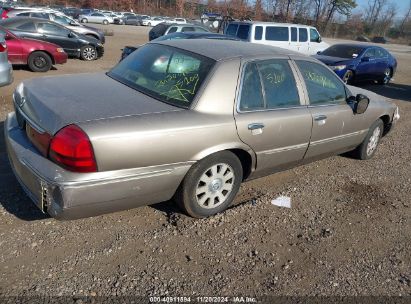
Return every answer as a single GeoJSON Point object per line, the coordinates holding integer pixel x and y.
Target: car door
{"type": "Point", "coordinates": [58, 35]}
{"type": "Point", "coordinates": [294, 43]}
{"type": "Point", "coordinates": [332, 117]}
{"type": "Point", "coordinates": [271, 116]}
{"type": "Point", "coordinates": [303, 40]}
{"type": "Point", "coordinates": [366, 68]}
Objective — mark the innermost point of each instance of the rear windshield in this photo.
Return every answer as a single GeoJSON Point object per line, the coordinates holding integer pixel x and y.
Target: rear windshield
{"type": "Point", "coordinates": [238, 30]}
{"type": "Point", "coordinates": [343, 51]}
{"type": "Point", "coordinates": [171, 75]}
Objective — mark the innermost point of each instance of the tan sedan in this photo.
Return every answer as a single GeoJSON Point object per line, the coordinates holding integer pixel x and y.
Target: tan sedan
{"type": "Point", "coordinates": [188, 120]}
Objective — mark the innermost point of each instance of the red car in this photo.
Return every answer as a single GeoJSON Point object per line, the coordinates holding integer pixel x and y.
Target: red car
{"type": "Point", "coordinates": [40, 56]}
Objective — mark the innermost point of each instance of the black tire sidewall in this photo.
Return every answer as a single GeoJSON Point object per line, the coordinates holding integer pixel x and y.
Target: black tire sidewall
{"type": "Point", "coordinates": [34, 55]}
{"type": "Point", "coordinates": [186, 197]}
{"type": "Point", "coordinates": [363, 148]}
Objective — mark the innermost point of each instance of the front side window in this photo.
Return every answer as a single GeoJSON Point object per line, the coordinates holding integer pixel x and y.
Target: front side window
{"type": "Point", "coordinates": [26, 26]}
{"type": "Point", "coordinates": [279, 85]}
{"type": "Point", "coordinates": [276, 33]}
{"type": "Point", "coordinates": [258, 35]}
{"type": "Point", "coordinates": [168, 74]}
{"type": "Point", "coordinates": [62, 20]}
{"type": "Point", "coordinates": [40, 15]}
{"type": "Point", "coordinates": [200, 30]}
{"type": "Point", "coordinates": [243, 31]}
{"type": "Point", "coordinates": [302, 35]}
{"type": "Point", "coordinates": [187, 29]}
{"type": "Point", "coordinates": [51, 29]}
{"type": "Point", "coordinates": [172, 30]}
{"type": "Point", "coordinates": [323, 86]}
{"type": "Point", "coordinates": [369, 53]}
{"type": "Point", "coordinates": [380, 53]}
{"type": "Point", "coordinates": [314, 36]}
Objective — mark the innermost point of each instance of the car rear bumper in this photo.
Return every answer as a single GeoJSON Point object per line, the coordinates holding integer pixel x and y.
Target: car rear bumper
{"type": "Point", "coordinates": [6, 74]}
{"type": "Point", "coordinates": [66, 195]}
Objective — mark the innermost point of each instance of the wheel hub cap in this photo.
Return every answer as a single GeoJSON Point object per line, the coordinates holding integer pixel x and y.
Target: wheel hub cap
{"type": "Point", "coordinates": [215, 186]}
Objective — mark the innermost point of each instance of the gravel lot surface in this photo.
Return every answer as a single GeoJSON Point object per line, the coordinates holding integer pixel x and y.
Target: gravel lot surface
{"type": "Point", "coordinates": [347, 233]}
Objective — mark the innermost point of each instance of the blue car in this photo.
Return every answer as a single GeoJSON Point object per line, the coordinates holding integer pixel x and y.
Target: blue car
{"type": "Point", "coordinates": [358, 62]}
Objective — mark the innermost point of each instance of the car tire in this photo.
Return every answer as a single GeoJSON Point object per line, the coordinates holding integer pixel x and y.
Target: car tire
{"type": "Point", "coordinates": [210, 185]}
{"type": "Point", "coordinates": [105, 22]}
{"type": "Point", "coordinates": [348, 77]}
{"type": "Point", "coordinates": [387, 77]}
{"type": "Point", "coordinates": [84, 20]}
{"type": "Point", "coordinates": [369, 145]}
{"type": "Point", "coordinates": [88, 53]}
{"type": "Point", "coordinates": [39, 62]}
{"type": "Point", "coordinates": [149, 24]}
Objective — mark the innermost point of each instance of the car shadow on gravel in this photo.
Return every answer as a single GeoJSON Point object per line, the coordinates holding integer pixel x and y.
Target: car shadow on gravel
{"type": "Point", "coordinates": [12, 197]}
{"type": "Point", "coordinates": [391, 90]}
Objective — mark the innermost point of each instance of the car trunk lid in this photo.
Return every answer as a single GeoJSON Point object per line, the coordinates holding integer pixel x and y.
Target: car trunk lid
{"type": "Point", "coordinates": [50, 103]}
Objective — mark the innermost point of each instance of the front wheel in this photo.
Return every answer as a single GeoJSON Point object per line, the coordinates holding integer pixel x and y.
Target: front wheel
{"type": "Point", "coordinates": [88, 53]}
{"type": "Point", "coordinates": [84, 20]}
{"type": "Point", "coordinates": [149, 24]}
{"type": "Point", "coordinates": [39, 62]}
{"type": "Point", "coordinates": [387, 77]}
{"type": "Point", "coordinates": [368, 147]}
{"type": "Point", "coordinates": [210, 185]}
{"type": "Point", "coordinates": [105, 22]}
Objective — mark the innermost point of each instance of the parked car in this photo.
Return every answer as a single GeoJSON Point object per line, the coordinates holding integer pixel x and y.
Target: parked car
{"type": "Point", "coordinates": [363, 38]}
{"type": "Point", "coordinates": [132, 20]}
{"type": "Point", "coordinates": [67, 22]}
{"type": "Point", "coordinates": [166, 28]}
{"type": "Point", "coordinates": [357, 62]}
{"type": "Point", "coordinates": [179, 21]}
{"type": "Point", "coordinates": [183, 119]}
{"type": "Point", "coordinates": [127, 50]}
{"type": "Point", "coordinates": [38, 55]}
{"type": "Point", "coordinates": [75, 45]}
{"type": "Point", "coordinates": [301, 38]}
{"type": "Point", "coordinates": [6, 70]}
{"type": "Point", "coordinates": [153, 21]}
{"type": "Point", "coordinates": [379, 39]}
{"type": "Point", "coordinates": [96, 17]}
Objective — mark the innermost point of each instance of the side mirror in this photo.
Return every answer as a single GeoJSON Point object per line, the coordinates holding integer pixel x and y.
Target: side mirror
{"type": "Point", "coordinates": [71, 35]}
{"type": "Point", "coordinates": [359, 103]}
{"type": "Point", "coordinates": [365, 59]}
{"type": "Point", "coordinates": [319, 53]}
{"type": "Point", "coordinates": [319, 39]}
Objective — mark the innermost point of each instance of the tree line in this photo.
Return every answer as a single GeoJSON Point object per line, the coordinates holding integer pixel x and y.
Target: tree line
{"type": "Point", "coordinates": [334, 17]}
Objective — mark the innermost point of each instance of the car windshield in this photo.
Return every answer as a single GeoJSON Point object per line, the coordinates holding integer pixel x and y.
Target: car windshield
{"type": "Point", "coordinates": [343, 51]}
{"type": "Point", "coordinates": [171, 75]}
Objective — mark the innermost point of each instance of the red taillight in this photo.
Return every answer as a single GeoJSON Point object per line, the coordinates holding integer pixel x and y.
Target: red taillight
{"type": "Point", "coordinates": [4, 14]}
{"type": "Point", "coordinates": [71, 149]}
{"type": "Point", "coordinates": [3, 46]}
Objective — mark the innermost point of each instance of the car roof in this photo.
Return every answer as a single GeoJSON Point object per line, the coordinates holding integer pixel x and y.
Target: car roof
{"type": "Point", "coordinates": [270, 23]}
{"type": "Point", "coordinates": [221, 50]}
{"type": "Point", "coordinates": [359, 45]}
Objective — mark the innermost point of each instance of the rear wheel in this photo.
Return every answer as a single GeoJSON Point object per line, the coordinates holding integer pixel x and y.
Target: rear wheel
{"type": "Point", "coordinates": [88, 53]}
{"type": "Point", "coordinates": [348, 77]}
{"type": "Point", "coordinates": [368, 147]}
{"type": "Point", "coordinates": [84, 20]}
{"type": "Point", "coordinates": [105, 22]}
{"type": "Point", "coordinates": [210, 185]}
{"type": "Point", "coordinates": [39, 62]}
{"type": "Point", "coordinates": [387, 77]}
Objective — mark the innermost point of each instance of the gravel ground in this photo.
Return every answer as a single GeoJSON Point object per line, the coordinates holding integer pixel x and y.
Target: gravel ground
{"type": "Point", "coordinates": [347, 233]}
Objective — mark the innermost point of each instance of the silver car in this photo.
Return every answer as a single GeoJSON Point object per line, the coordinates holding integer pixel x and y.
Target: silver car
{"type": "Point", "coordinates": [6, 70]}
{"type": "Point", "coordinates": [183, 119]}
{"type": "Point", "coordinates": [96, 17]}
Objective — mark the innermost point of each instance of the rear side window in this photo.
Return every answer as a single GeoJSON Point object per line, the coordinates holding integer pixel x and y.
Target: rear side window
{"type": "Point", "coordinates": [243, 31]}
{"type": "Point", "coordinates": [276, 33]}
{"type": "Point", "coordinates": [258, 34]}
{"type": "Point", "coordinates": [200, 29]}
{"type": "Point", "coordinates": [172, 30]}
{"type": "Point", "coordinates": [294, 34]}
{"type": "Point", "coordinates": [323, 86]}
{"type": "Point", "coordinates": [231, 30]}
{"type": "Point", "coordinates": [23, 14]}
{"type": "Point", "coordinates": [27, 26]}
{"type": "Point", "coordinates": [251, 92]}
{"type": "Point", "coordinates": [278, 84]}
{"type": "Point", "coordinates": [40, 15]}
{"type": "Point", "coordinates": [302, 35]}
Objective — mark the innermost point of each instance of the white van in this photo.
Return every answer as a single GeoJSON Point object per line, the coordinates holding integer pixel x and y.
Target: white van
{"type": "Point", "coordinates": [301, 38]}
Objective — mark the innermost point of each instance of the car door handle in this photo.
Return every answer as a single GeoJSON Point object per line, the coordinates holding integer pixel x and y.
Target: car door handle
{"type": "Point", "coordinates": [320, 117]}
{"type": "Point", "coordinates": [255, 126]}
